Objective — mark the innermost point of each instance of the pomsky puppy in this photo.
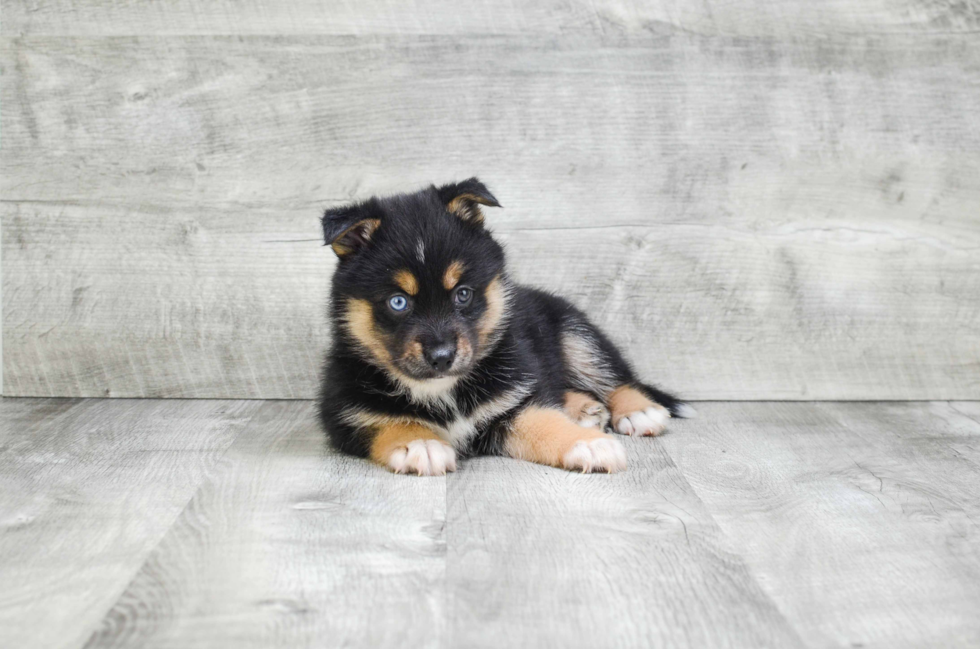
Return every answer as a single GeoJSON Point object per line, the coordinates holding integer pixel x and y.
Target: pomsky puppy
{"type": "Point", "coordinates": [436, 353]}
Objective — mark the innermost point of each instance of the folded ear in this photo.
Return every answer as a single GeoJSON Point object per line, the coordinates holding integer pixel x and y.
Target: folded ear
{"type": "Point", "coordinates": [348, 229]}
{"type": "Point", "coordinates": [464, 199]}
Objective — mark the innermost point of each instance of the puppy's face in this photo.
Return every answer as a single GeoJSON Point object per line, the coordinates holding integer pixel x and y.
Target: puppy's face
{"type": "Point", "coordinates": [419, 289]}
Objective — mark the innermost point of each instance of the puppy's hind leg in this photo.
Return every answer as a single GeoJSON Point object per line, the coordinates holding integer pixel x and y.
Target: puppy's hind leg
{"type": "Point", "coordinates": [585, 410]}
{"type": "Point", "coordinates": [634, 413]}
{"type": "Point", "coordinates": [595, 365]}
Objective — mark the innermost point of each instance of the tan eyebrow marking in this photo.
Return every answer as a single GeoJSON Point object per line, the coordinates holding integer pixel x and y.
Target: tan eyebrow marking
{"type": "Point", "coordinates": [452, 275]}
{"type": "Point", "coordinates": [407, 282]}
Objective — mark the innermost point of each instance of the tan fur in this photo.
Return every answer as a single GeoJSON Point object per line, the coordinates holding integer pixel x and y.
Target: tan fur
{"type": "Point", "coordinates": [496, 305]}
{"type": "Point", "coordinates": [625, 400]}
{"type": "Point", "coordinates": [584, 410]}
{"type": "Point", "coordinates": [366, 419]}
{"type": "Point", "coordinates": [413, 351]}
{"type": "Point", "coordinates": [360, 324]}
{"type": "Point", "coordinates": [406, 280]}
{"type": "Point", "coordinates": [463, 207]}
{"type": "Point", "coordinates": [451, 277]}
{"type": "Point", "coordinates": [464, 349]}
{"type": "Point", "coordinates": [545, 435]}
{"type": "Point", "coordinates": [369, 226]}
{"type": "Point", "coordinates": [576, 403]}
{"type": "Point", "coordinates": [395, 435]}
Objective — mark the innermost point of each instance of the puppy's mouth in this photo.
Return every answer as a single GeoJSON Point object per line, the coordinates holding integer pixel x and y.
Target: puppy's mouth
{"type": "Point", "coordinates": [423, 372]}
{"type": "Point", "coordinates": [430, 375]}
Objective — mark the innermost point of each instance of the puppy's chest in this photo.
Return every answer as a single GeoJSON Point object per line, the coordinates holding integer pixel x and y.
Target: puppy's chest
{"type": "Point", "coordinates": [460, 428]}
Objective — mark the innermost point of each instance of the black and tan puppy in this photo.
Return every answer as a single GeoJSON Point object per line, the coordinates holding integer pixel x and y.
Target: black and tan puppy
{"type": "Point", "coordinates": [437, 353]}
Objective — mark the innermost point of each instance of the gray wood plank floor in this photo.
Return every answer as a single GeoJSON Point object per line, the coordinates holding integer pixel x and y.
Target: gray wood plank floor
{"type": "Point", "coordinates": [231, 523]}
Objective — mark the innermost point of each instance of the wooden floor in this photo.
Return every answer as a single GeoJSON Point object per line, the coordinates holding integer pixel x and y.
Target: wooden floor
{"type": "Point", "coordinates": [144, 523]}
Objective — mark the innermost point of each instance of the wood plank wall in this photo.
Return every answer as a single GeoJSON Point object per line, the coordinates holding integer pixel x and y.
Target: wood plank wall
{"type": "Point", "coordinates": [767, 200]}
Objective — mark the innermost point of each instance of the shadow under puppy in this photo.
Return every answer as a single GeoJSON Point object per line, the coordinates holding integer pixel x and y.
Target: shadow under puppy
{"type": "Point", "coordinates": [435, 352]}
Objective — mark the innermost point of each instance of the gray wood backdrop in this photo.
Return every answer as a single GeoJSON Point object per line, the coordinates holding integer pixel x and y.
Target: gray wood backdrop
{"type": "Point", "coordinates": [763, 200]}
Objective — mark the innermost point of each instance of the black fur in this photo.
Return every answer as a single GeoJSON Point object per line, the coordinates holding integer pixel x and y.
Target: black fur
{"type": "Point", "coordinates": [526, 349]}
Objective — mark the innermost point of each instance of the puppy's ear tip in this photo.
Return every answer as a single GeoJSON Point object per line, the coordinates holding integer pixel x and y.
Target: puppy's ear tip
{"type": "Point", "coordinates": [356, 237]}
{"type": "Point", "coordinates": [348, 229]}
{"type": "Point", "coordinates": [488, 199]}
{"type": "Point", "coordinates": [464, 198]}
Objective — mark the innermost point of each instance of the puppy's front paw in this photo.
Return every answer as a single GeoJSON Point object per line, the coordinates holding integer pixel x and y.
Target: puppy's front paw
{"type": "Point", "coordinates": [651, 421]}
{"type": "Point", "coordinates": [424, 457]}
{"type": "Point", "coordinates": [602, 454]}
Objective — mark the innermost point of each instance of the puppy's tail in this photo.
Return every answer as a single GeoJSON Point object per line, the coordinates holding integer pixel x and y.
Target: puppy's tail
{"type": "Point", "coordinates": [676, 407]}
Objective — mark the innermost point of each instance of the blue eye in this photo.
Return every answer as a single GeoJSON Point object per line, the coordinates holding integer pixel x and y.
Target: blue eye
{"type": "Point", "coordinates": [463, 295]}
{"type": "Point", "coordinates": [398, 302]}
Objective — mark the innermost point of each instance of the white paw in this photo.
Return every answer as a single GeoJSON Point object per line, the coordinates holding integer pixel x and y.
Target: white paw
{"type": "Point", "coordinates": [595, 415]}
{"type": "Point", "coordinates": [651, 421]}
{"type": "Point", "coordinates": [424, 457]}
{"type": "Point", "coordinates": [596, 455]}
{"type": "Point", "coordinates": [686, 411]}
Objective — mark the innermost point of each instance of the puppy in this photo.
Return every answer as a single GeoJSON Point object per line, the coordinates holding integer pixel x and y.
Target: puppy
{"type": "Point", "coordinates": [437, 354]}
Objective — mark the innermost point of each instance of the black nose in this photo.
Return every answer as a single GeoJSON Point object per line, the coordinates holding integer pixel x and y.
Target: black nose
{"type": "Point", "coordinates": [441, 357]}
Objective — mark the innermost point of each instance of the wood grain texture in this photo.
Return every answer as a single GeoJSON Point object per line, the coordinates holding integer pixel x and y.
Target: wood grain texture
{"type": "Point", "coordinates": [779, 19]}
{"type": "Point", "coordinates": [751, 218]}
{"type": "Point", "coordinates": [87, 489]}
{"type": "Point", "coordinates": [141, 523]}
{"type": "Point", "coordinates": [292, 545]}
{"type": "Point", "coordinates": [187, 316]}
{"type": "Point", "coordinates": [541, 557]}
{"type": "Point", "coordinates": [861, 521]}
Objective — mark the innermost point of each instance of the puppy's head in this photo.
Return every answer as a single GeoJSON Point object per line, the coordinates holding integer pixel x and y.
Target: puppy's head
{"type": "Point", "coordinates": [419, 288]}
